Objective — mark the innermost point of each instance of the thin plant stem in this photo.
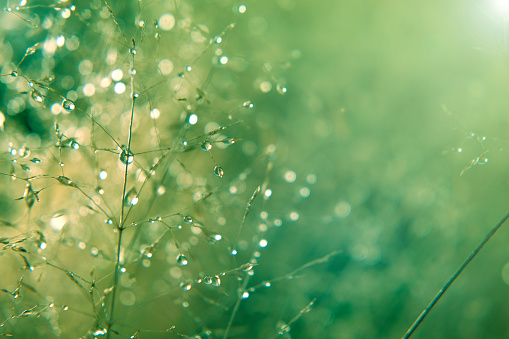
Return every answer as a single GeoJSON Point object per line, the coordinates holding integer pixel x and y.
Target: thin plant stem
{"type": "Point", "coordinates": [444, 289]}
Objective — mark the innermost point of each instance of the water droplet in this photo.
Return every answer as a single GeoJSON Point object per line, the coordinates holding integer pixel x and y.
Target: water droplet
{"type": "Point", "coordinates": [68, 105]}
{"type": "Point", "coordinates": [24, 151]}
{"type": "Point", "coordinates": [185, 286]}
{"type": "Point", "coordinates": [207, 280]}
{"type": "Point", "coordinates": [99, 332]}
{"type": "Point", "coordinates": [245, 295]}
{"type": "Point", "coordinates": [65, 307]}
{"type": "Point", "coordinates": [126, 156]}
{"type": "Point", "coordinates": [214, 238]}
{"type": "Point", "coordinates": [182, 260]}
{"type": "Point", "coordinates": [482, 160]}
{"type": "Point", "coordinates": [206, 146]}
{"type": "Point", "coordinates": [35, 160]}
{"type": "Point", "coordinates": [246, 267]}
{"type": "Point", "coordinates": [248, 104]}
{"type": "Point", "coordinates": [31, 50]}
{"type": "Point", "coordinates": [281, 89]}
{"type": "Point", "coordinates": [29, 196]}
{"type": "Point", "coordinates": [65, 181]}
{"type": "Point", "coordinates": [216, 281]}
{"type": "Point", "coordinates": [51, 305]}
{"type": "Point", "coordinates": [131, 197]}
{"type": "Point", "coordinates": [283, 329]}
{"type": "Point", "coordinates": [188, 219]}
{"type": "Point", "coordinates": [99, 190]}
{"type": "Point", "coordinates": [49, 78]}
{"type": "Point", "coordinates": [14, 74]}
{"type": "Point", "coordinates": [229, 141]}
{"type": "Point", "coordinates": [267, 284]}
{"type": "Point", "coordinates": [218, 171]}
{"type": "Point", "coordinates": [189, 68]}
{"type": "Point", "coordinates": [458, 149]}
{"type": "Point", "coordinates": [37, 96]}
{"type": "Point", "coordinates": [242, 9]}
{"type": "Point", "coordinates": [74, 144]}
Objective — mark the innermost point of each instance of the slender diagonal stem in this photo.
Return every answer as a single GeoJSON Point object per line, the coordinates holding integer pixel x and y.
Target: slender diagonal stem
{"type": "Point", "coordinates": [444, 289]}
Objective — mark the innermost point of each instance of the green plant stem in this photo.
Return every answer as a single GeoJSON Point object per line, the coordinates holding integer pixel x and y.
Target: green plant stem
{"type": "Point", "coordinates": [444, 289]}
{"type": "Point", "coordinates": [120, 227]}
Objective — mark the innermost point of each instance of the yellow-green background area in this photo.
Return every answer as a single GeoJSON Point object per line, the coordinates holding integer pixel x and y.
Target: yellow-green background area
{"type": "Point", "coordinates": [380, 100]}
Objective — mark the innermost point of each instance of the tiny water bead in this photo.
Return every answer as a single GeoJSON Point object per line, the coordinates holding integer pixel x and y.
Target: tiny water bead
{"type": "Point", "coordinates": [24, 151]}
{"type": "Point", "coordinates": [482, 160]}
{"type": "Point", "coordinates": [74, 144]}
{"type": "Point", "coordinates": [185, 286]}
{"type": "Point", "coordinates": [218, 171]}
{"type": "Point", "coordinates": [131, 198]}
{"type": "Point", "coordinates": [68, 105]}
{"type": "Point", "coordinates": [65, 181]}
{"type": "Point", "coordinates": [206, 145]}
{"type": "Point", "coordinates": [126, 156]}
{"type": "Point", "coordinates": [37, 96]}
{"type": "Point", "coordinates": [281, 89]}
{"type": "Point", "coordinates": [248, 104]}
{"type": "Point", "coordinates": [216, 281]}
{"type": "Point", "coordinates": [182, 260]}
{"type": "Point", "coordinates": [229, 141]}
{"type": "Point", "coordinates": [214, 238]}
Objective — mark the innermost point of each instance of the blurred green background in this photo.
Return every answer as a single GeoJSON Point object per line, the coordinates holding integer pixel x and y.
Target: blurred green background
{"type": "Point", "coordinates": [388, 102]}
{"type": "Point", "coordinates": [381, 99]}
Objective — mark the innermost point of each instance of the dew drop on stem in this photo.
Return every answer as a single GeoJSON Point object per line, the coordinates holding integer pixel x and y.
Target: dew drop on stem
{"type": "Point", "coordinates": [68, 105]}
{"type": "Point", "coordinates": [216, 281]}
{"type": "Point", "coordinates": [185, 286]}
{"type": "Point", "coordinates": [24, 151]}
{"type": "Point", "coordinates": [131, 197]}
{"type": "Point", "coordinates": [65, 181]}
{"type": "Point", "coordinates": [228, 141]}
{"type": "Point", "coordinates": [74, 144]}
{"type": "Point", "coordinates": [206, 146]}
{"type": "Point", "coordinates": [37, 96]}
{"type": "Point", "coordinates": [281, 89]}
{"type": "Point", "coordinates": [126, 156]}
{"type": "Point", "coordinates": [218, 171]}
{"type": "Point", "coordinates": [29, 196]}
{"type": "Point", "coordinates": [182, 260]}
